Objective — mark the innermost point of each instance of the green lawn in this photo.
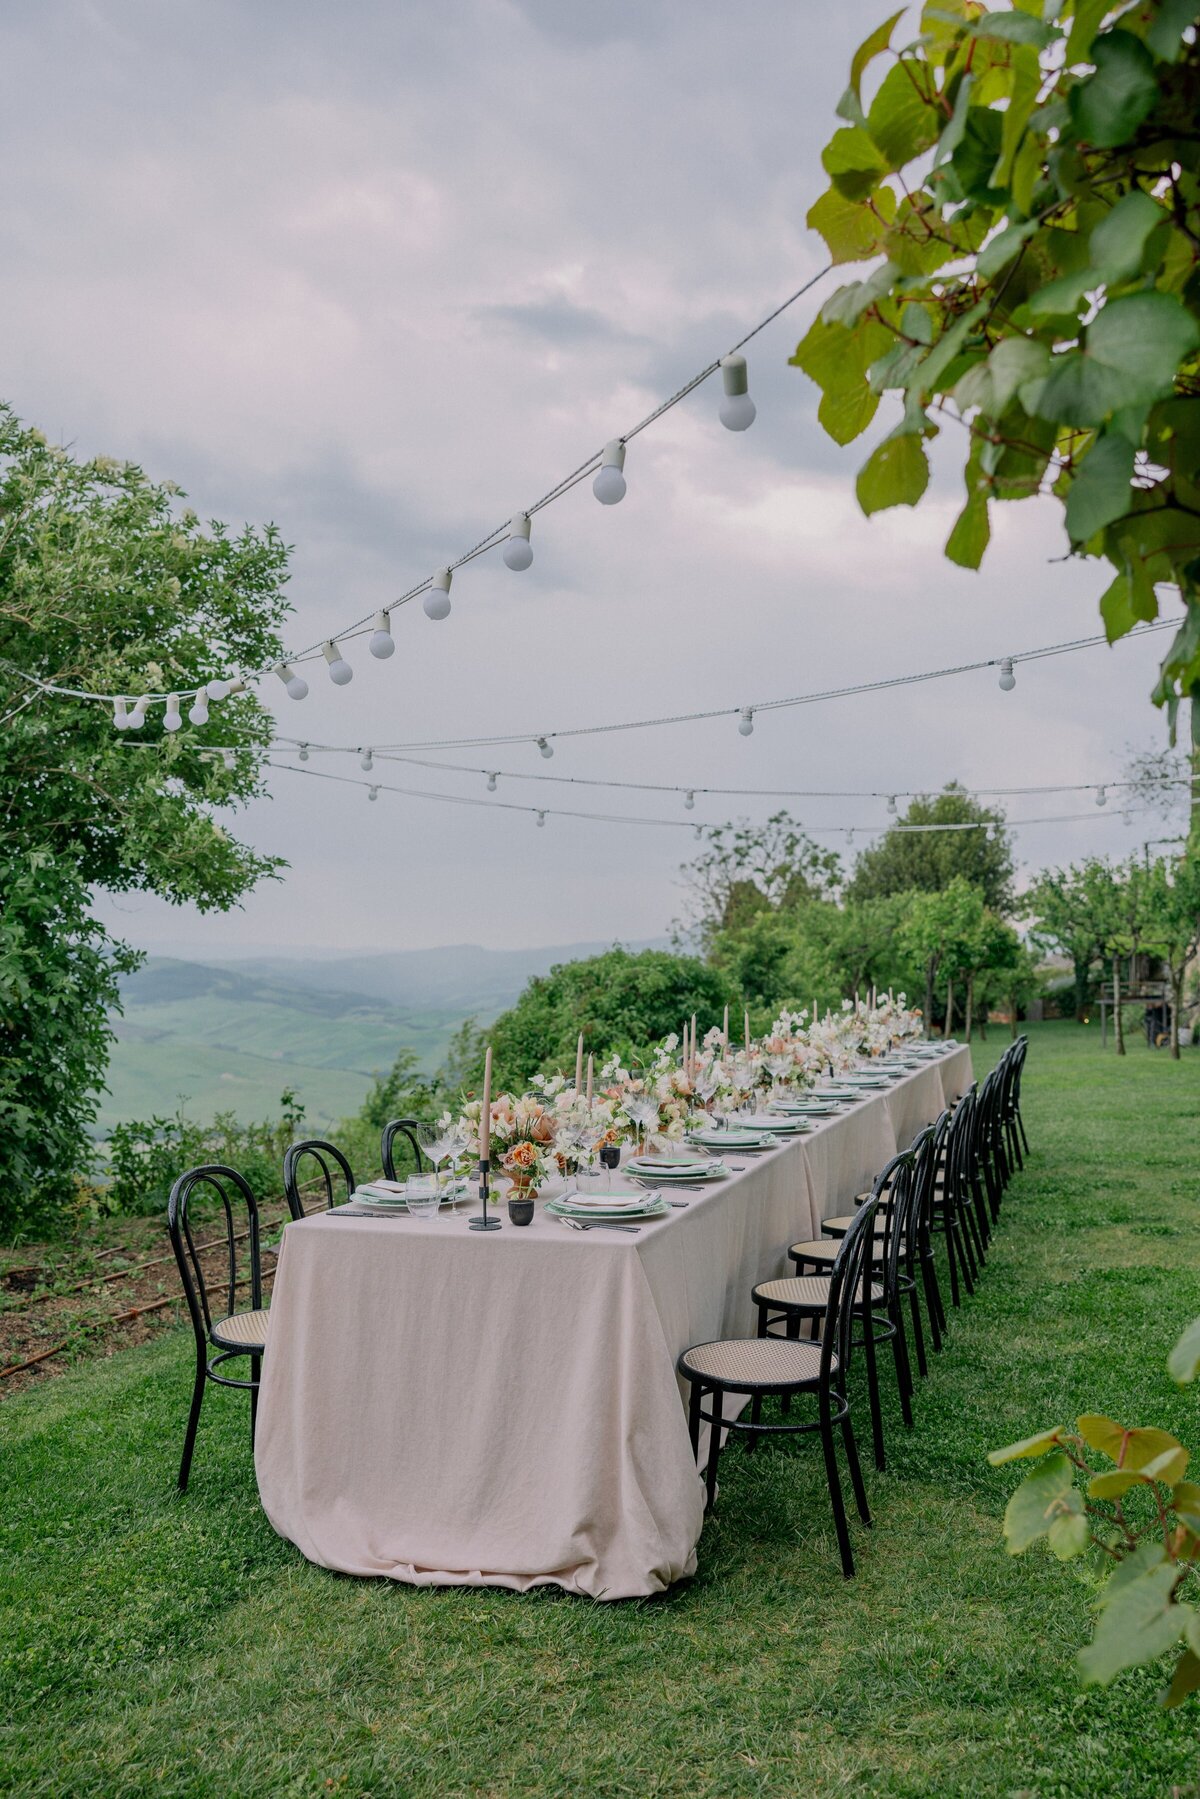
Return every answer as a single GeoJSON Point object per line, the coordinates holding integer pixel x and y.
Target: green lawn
{"type": "Point", "coordinates": [153, 1645]}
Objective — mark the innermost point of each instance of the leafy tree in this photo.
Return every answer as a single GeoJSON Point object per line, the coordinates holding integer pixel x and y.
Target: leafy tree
{"type": "Point", "coordinates": [937, 929]}
{"type": "Point", "coordinates": [990, 950]}
{"type": "Point", "coordinates": [1027, 182]}
{"type": "Point", "coordinates": [1171, 923]}
{"type": "Point", "coordinates": [1063, 907]}
{"type": "Point", "coordinates": [744, 870]}
{"type": "Point", "coordinates": [107, 583]}
{"type": "Point", "coordinates": [930, 860]}
{"type": "Point", "coordinates": [620, 1001]}
{"type": "Point", "coordinates": [818, 952]}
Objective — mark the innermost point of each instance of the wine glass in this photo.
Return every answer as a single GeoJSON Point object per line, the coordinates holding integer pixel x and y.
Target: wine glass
{"type": "Point", "coordinates": [437, 1142]}
{"type": "Point", "coordinates": [643, 1111]}
{"type": "Point", "coordinates": [779, 1067]}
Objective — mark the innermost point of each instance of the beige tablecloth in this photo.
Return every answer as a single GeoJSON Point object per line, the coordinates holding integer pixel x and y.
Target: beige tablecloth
{"type": "Point", "coordinates": [447, 1408]}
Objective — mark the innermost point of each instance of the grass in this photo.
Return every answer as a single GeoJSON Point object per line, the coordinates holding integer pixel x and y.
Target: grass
{"type": "Point", "coordinates": [152, 1645]}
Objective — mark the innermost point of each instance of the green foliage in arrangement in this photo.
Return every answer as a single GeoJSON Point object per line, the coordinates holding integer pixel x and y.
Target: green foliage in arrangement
{"type": "Point", "coordinates": [107, 582]}
{"type": "Point", "coordinates": [1143, 1516]}
{"type": "Point", "coordinates": [1026, 181]}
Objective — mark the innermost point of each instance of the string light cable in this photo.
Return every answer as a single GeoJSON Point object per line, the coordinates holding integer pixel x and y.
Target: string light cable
{"type": "Point", "coordinates": [605, 466]}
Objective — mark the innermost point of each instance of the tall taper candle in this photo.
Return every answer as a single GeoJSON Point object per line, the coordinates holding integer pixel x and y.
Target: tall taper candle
{"type": "Point", "coordinates": [872, 997]}
{"type": "Point", "coordinates": [684, 1049]}
{"type": "Point", "coordinates": [692, 1058]}
{"type": "Point", "coordinates": [725, 1029]}
{"type": "Point", "coordinates": [485, 1110]}
{"type": "Point", "coordinates": [579, 1065]}
{"type": "Point", "coordinates": [589, 1086]}
{"type": "Point", "coordinates": [746, 1020]}
{"type": "Point", "coordinates": [814, 1012]}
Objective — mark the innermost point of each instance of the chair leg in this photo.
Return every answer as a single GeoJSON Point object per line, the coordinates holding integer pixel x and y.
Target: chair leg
{"type": "Point", "coordinates": [714, 1451]}
{"type": "Point", "coordinates": [755, 1417]}
{"type": "Point", "coordinates": [694, 1400]}
{"type": "Point", "coordinates": [856, 1474]}
{"type": "Point", "coordinates": [255, 1375]}
{"type": "Point", "coordinates": [873, 1392]}
{"type": "Point", "coordinates": [952, 1260]}
{"type": "Point", "coordinates": [1021, 1128]}
{"type": "Point", "coordinates": [835, 1491]}
{"type": "Point", "coordinates": [904, 1378]}
{"type": "Point", "coordinates": [189, 1439]}
{"type": "Point", "coordinates": [933, 1300]}
{"type": "Point", "coordinates": [914, 1305]}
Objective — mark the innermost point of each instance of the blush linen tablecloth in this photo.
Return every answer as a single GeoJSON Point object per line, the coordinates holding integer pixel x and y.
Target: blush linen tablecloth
{"type": "Point", "coordinates": [451, 1408]}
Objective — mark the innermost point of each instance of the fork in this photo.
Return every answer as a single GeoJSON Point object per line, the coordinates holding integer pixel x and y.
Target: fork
{"type": "Point", "coordinates": [577, 1224]}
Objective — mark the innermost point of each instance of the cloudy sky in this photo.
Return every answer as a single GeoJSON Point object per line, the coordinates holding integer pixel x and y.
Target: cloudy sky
{"type": "Point", "coordinates": [384, 274]}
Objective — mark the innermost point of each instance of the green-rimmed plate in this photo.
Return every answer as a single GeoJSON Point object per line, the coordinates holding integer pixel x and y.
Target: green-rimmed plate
{"type": "Point", "coordinates": [655, 1207]}
{"type": "Point", "coordinates": [707, 1171]}
{"type": "Point", "coordinates": [729, 1139]}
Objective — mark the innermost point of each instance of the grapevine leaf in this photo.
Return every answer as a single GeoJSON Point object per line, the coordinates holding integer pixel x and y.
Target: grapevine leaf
{"type": "Point", "coordinates": [853, 163]}
{"type": "Point", "coordinates": [1166, 31]}
{"type": "Point", "coordinates": [1108, 107]}
{"type": "Point", "coordinates": [895, 474]}
{"type": "Point", "coordinates": [1069, 1536]}
{"type": "Point", "coordinates": [852, 230]}
{"type": "Point", "coordinates": [1014, 28]}
{"type": "Point", "coordinates": [1132, 350]}
{"type": "Point", "coordinates": [1118, 241]}
{"type": "Point", "coordinates": [1185, 1679]}
{"type": "Point", "coordinates": [870, 48]}
{"type": "Point", "coordinates": [1128, 1448]}
{"type": "Point", "coordinates": [1042, 1497]}
{"type": "Point", "coordinates": [1139, 1622]}
{"type": "Point", "coordinates": [901, 121]}
{"type": "Point", "coordinates": [1100, 491]}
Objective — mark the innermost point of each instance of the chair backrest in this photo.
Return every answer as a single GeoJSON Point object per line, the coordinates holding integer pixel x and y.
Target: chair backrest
{"type": "Point", "coordinates": [926, 1147]}
{"type": "Point", "coordinates": [960, 1146]}
{"type": "Point", "coordinates": [241, 1227]}
{"type": "Point", "coordinates": [851, 1267]}
{"type": "Point", "coordinates": [327, 1157]}
{"type": "Point", "coordinates": [895, 1242]}
{"type": "Point", "coordinates": [400, 1127]}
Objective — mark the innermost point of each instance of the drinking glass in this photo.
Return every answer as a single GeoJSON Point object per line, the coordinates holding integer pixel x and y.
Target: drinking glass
{"type": "Point", "coordinates": [610, 1157]}
{"type": "Point", "coordinates": [421, 1195]}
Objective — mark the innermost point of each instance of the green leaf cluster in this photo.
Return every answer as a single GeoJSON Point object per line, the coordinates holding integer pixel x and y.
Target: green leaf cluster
{"type": "Point", "coordinates": [1027, 181]}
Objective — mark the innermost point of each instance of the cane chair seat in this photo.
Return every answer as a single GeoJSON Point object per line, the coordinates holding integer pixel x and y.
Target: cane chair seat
{"type": "Point", "coordinates": [243, 1330]}
{"type": "Point", "coordinates": [810, 1291]}
{"type": "Point", "coordinates": [837, 1227]}
{"type": "Point", "coordinates": [755, 1362]}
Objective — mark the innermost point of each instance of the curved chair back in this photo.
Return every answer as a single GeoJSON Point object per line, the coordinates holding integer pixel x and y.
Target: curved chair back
{"type": "Point", "coordinates": [241, 1228]}
{"type": "Point", "coordinates": [400, 1127]}
{"type": "Point", "coordinates": [328, 1158]}
{"type": "Point", "coordinates": [926, 1149]}
{"type": "Point", "coordinates": [851, 1268]}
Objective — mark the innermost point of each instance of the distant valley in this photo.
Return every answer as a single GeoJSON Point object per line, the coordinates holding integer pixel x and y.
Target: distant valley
{"type": "Point", "coordinates": [230, 1036]}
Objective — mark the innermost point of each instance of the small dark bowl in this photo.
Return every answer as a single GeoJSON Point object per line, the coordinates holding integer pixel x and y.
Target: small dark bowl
{"type": "Point", "coordinates": [520, 1211]}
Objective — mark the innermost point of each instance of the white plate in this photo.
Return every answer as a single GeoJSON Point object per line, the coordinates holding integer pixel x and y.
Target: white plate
{"type": "Point", "coordinates": [656, 1165]}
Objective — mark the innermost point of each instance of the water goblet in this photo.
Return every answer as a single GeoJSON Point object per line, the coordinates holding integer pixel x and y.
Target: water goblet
{"type": "Point", "coordinates": [421, 1195]}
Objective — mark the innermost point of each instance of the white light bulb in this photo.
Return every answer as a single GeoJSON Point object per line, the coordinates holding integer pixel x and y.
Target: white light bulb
{"type": "Point", "coordinates": [372, 793]}
{"type": "Point", "coordinates": [698, 832]}
{"type": "Point", "coordinates": [1101, 797]}
{"type": "Point", "coordinates": [366, 761]}
{"type": "Point", "coordinates": [120, 715]}
{"type": "Point", "coordinates": [546, 748]}
{"type": "Point", "coordinates": [198, 710]}
{"type": "Point", "coordinates": [382, 643]}
{"type": "Point", "coordinates": [746, 722]}
{"type": "Point", "coordinates": [437, 600]}
{"type": "Point", "coordinates": [340, 671]}
{"type": "Point", "coordinates": [172, 719]}
{"type": "Point", "coordinates": [230, 760]}
{"type": "Point", "coordinates": [737, 411]}
{"type": "Point", "coordinates": [609, 485]}
{"type": "Point", "coordinates": [295, 685]}
{"type": "Point", "coordinates": [541, 818]}
{"type": "Point", "coordinates": [689, 801]}
{"type": "Point", "coordinates": [518, 552]}
{"type": "Point", "coordinates": [1007, 679]}
{"type": "Point", "coordinates": [219, 690]}
{"type": "Point", "coordinates": [137, 717]}
{"type": "Point", "coordinates": [304, 752]}
{"type": "Point", "coordinates": [891, 803]}
{"type": "Point", "coordinates": [491, 783]}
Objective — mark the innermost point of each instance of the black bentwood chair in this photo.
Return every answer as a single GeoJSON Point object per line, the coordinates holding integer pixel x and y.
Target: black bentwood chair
{"type": "Point", "coordinates": [400, 1127]}
{"type": "Point", "coordinates": [230, 1332]}
{"type": "Point", "coordinates": [328, 1158]}
{"type": "Point", "coordinates": [771, 1366]}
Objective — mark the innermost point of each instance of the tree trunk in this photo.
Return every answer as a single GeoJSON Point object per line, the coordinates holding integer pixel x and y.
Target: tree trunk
{"type": "Point", "coordinates": [1176, 1007]}
{"type": "Point", "coordinates": [1116, 962]}
{"type": "Point", "coordinates": [949, 1024]}
{"type": "Point", "coordinates": [970, 1006]}
{"type": "Point", "coordinates": [1012, 1017]}
{"type": "Point", "coordinates": [1081, 987]}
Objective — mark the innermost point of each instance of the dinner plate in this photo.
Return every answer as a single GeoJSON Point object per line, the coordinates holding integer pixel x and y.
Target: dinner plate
{"type": "Point", "coordinates": [399, 1204]}
{"type": "Point", "coordinates": [728, 1139]}
{"type": "Point", "coordinates": [784, 1123]}
{"type": "Point", "coordinates": [657, 1165]}
{"type": "Point", "coordinates": [622, 1199]}
{"type": "Point", "coordinates": [654, 1206]}
{"type": "Point", "coordinates": [704, 1171]}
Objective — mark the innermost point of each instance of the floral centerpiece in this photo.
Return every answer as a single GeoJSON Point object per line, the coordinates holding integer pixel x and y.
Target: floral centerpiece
{"type": "Point", "coordinates": [521, 1137]}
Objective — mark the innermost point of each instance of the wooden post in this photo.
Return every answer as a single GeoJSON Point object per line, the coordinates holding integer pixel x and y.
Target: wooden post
{"type": "Point", "coordinates": [1118, 1028]}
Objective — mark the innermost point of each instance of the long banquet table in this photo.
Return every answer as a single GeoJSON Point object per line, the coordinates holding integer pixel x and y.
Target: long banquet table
{"type": "Point", "coordinates": [452, 1408]}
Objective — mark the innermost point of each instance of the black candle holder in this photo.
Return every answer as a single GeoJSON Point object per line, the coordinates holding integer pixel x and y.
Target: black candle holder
{"type": "Point", "coordinates": [481, 1222]}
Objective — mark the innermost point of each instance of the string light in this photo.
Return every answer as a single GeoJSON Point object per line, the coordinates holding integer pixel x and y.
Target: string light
{"type": "Point", "coordinates": [738, 411]}
{"type": "Point", "coordinates": [304, 752]}
{"type": "Point", "coordinates": [219, 689]}
{"type": "Point", "coordinates": [689, 801]}
{"type": "Point", "coordinates": [892, 804]}
{"type": "Point", "coordinates": [137, 717]}
{"type": "Point", "coordinates": [172, 719]}
{"type": "Point", "coordinates": [546, 747]}
{"type": "Point", "coordinates": [491, 783]}
{"type": "Point", "coordinates": [295, 685]}
{"type": "Point", "coordinates": [366, 761]}
{"type": "Point", "coordinates": [541, 818]}
{"type": "Point", "coordinates": [518, 551]}
{"type": "Point", "coordinates": [120, 714]}
{"type": "Point", "coordinates": [198, 710]}
{"type": "Point", "coordinates": [437, 600]}
{"type": "Point", "coordinates": [609, 485]}
{"type": "Point", "coordinates": [372, 793]}
{"type": "Point", "coordinates": [1101, 796]}
{"type": "Point", "coordinates": [230, 761]}
{"type": "Point", "coordinates": [1007, 679]}
{"type": "Point", "coordinates": [382, 643]}
{"type": "Point", "coordinates": [340, 671]}
{"type": "Point", "coordinates": [746, 722]}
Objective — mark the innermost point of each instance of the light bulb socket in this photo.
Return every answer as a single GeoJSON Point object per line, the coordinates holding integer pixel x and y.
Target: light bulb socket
{"type": "Point", "coordinates": [735, 377]}
{"type": "Point", "coordinates": [613, 455]}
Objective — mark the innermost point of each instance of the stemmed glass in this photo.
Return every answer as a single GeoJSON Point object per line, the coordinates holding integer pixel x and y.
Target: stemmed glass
{"type": "Point", "coordinates": [779, 1067]}
{"type": "Point", "coordinates": [589, 1134]}
{"type": "Point", "coordinates": [643, 1112]}
{"type": "Point", "coordinates": [438, 1143]}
